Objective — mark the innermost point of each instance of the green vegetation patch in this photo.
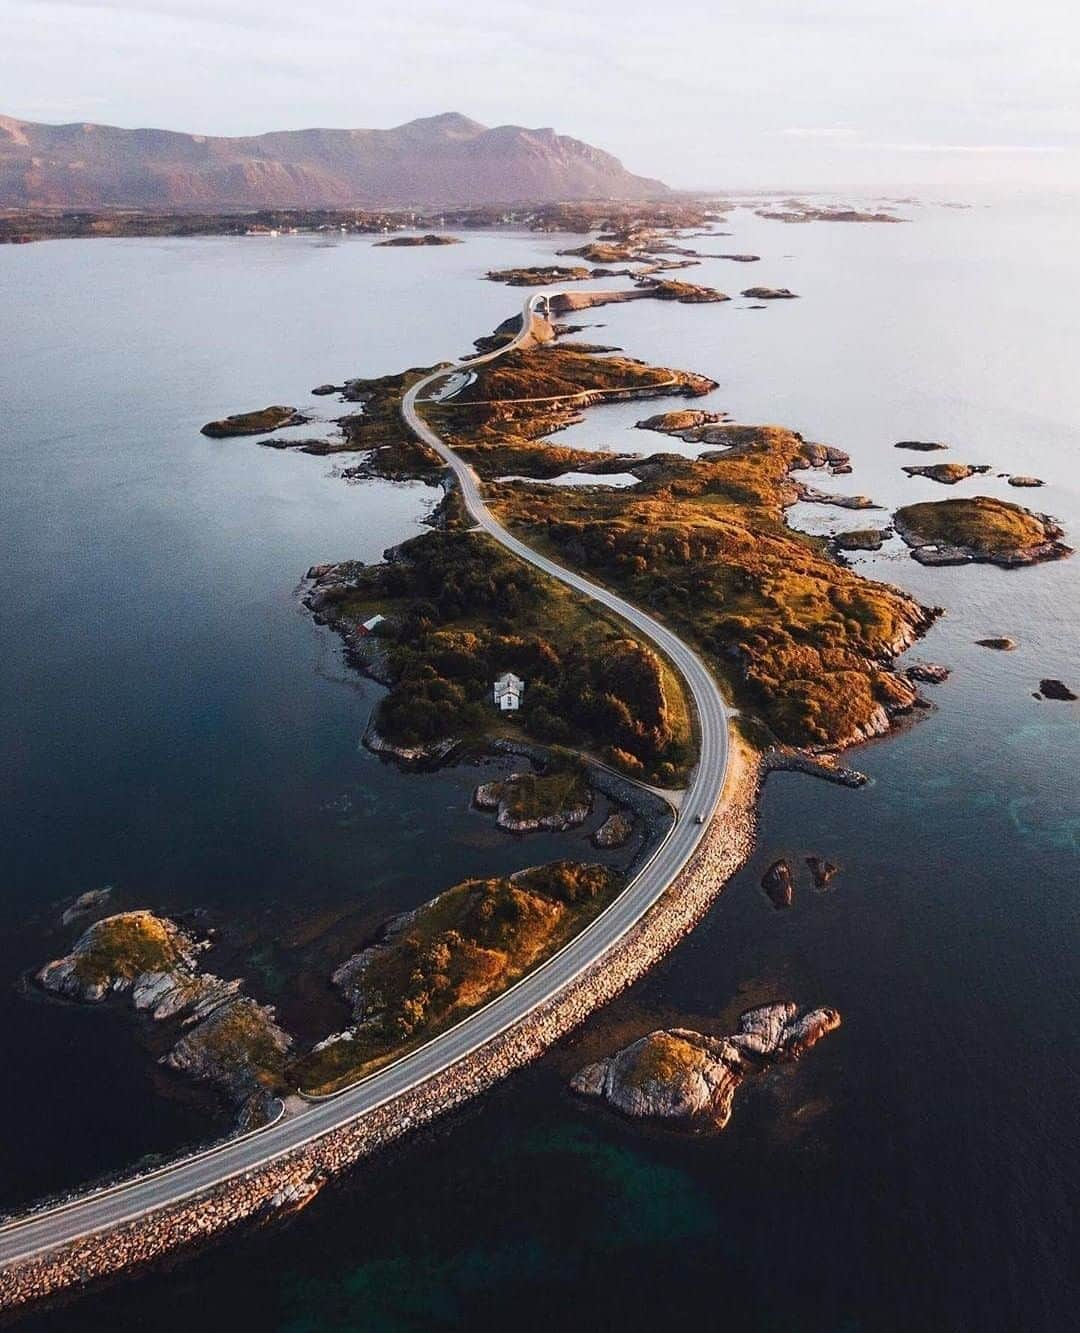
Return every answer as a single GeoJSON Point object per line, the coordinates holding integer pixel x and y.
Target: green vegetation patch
{"type": "Point", "coordinates": [126, 945]}
{"type": "Point", "coordinates": [462, 610]}
{"type": "Point", "coordinates": [661, 1058]}
{"type": "Point", "coordinates": [562, 786]}
{"type": "Point", "coordinates": [454, 954]}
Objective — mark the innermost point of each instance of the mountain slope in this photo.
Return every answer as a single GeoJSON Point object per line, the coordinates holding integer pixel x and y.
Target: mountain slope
{"type": "Point", "coordinates": [439, 161]}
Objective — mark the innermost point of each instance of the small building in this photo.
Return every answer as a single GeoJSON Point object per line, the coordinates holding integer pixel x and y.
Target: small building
{"type": "Point", "coordinates": [369, 625]}
{"type": "Point", "coordinates": [507, 692]}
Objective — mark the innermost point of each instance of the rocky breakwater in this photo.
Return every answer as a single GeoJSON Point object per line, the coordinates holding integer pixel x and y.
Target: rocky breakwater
{"type": "Point", "coordinates": [228, 1039]}
{"type": "Point", "coordinates": [687, 1078]}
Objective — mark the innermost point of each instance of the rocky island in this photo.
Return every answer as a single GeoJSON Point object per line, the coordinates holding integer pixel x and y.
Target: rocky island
{"type": "Point", "coordinates": [556, 799]}
{"type": "Point", "coordinates": [228, 1039]}
{"type": "Point", "coordinates": [948, 474]}
{"type": "Point", "coordinates": [982, 529]}
{"type": "Point", "coordinates": [429, 238]}
{"type": "Point", "coordinates": [254, 423]}
{"type": "Point", "coordinates": [688, 1079]}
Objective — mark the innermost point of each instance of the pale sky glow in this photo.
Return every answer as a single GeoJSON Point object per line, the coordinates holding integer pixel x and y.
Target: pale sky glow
{"type": "Point", "coordinates": [731, 93]}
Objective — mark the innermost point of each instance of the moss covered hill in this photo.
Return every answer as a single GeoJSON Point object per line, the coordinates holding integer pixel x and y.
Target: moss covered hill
{"type": "Point", "coordinates": [461, 610]}
{"type": "Point", "coordinates": [804, 641]}
{"type": "Point", "coordinates": [451, 956]}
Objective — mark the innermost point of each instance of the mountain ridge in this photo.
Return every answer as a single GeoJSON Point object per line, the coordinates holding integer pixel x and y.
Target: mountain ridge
{"type": "Point", "coordinates": [443, 160]}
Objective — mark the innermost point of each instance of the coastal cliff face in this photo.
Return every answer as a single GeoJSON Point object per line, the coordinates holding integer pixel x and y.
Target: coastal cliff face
{"type": "Point", "coordinates": [230, 1040]}
{"type": "Point", "coordinates": [438, 161]}
{"type": "Point", "coordinates": [683, 1076]}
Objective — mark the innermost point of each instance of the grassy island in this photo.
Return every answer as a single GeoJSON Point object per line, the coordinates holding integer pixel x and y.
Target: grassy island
{"type": "Point", "coordinates": [979, 529]}
{"type": "Point", "coordinates": [451, 956]}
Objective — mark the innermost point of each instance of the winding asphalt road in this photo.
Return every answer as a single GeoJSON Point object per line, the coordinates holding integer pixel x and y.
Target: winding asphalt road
{"type": "Point", "coordinates": [54, 1227]}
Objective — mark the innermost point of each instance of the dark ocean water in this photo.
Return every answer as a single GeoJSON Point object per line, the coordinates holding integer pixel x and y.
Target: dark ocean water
{"type": "Point", "coordinates": [174, 726]}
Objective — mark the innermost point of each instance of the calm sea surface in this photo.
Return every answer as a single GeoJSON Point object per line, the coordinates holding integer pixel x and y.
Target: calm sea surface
{"type": "Point", "coordinates": [173, 724]}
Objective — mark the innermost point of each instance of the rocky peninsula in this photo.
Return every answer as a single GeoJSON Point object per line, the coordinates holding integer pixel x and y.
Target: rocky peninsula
{"type": "Point", "coordinates": [688, 1079]}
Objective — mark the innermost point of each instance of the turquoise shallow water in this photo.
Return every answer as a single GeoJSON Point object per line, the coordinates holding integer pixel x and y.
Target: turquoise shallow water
{"type": "Point", "coordinates": [919, 1168]}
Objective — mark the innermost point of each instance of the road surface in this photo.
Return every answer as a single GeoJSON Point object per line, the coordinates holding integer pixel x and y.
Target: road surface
{"type": "Point", "coordinates": [52, 1228]}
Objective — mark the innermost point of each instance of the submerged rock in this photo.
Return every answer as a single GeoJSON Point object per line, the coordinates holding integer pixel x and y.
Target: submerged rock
{"type": "Point", "coordinates": [920, 446]}
{"type": "Point", "coordinates": [1001, 643]}
{"type": "Point", "coordinates": [822, 872]}
{"type": "Point", "coordinates": [680, 1075]}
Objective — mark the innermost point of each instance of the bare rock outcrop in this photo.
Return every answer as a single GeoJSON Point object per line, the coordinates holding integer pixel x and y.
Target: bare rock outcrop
{"type": "Point", "coordinates": [614, 831]}
{"type": "Point", "coordinates": [770, 294]}
{"type": "Point", "coordinates": [1056, 689]}
{"type": "Point", "coordinates": [779, 884]}
{"type": "Point", "coordinates": [684, 1076]}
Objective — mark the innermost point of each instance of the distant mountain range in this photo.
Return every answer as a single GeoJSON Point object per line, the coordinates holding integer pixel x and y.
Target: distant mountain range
{"type": "Point", "coordinates": [440, 161]}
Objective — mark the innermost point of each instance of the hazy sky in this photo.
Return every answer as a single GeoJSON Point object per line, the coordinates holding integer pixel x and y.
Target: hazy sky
{"type": "Point", "coordinates": [732, 92]}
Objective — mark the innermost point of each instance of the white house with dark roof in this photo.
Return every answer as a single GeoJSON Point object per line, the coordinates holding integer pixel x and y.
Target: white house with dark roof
{"type": "Point", "coordinates": [507, 692]}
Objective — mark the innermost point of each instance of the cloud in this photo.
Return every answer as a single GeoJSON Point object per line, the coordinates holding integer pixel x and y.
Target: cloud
{"type": "Point", "coordinates": [960, 148]}
{"type": "Point", "coordinates": [818, 132]}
